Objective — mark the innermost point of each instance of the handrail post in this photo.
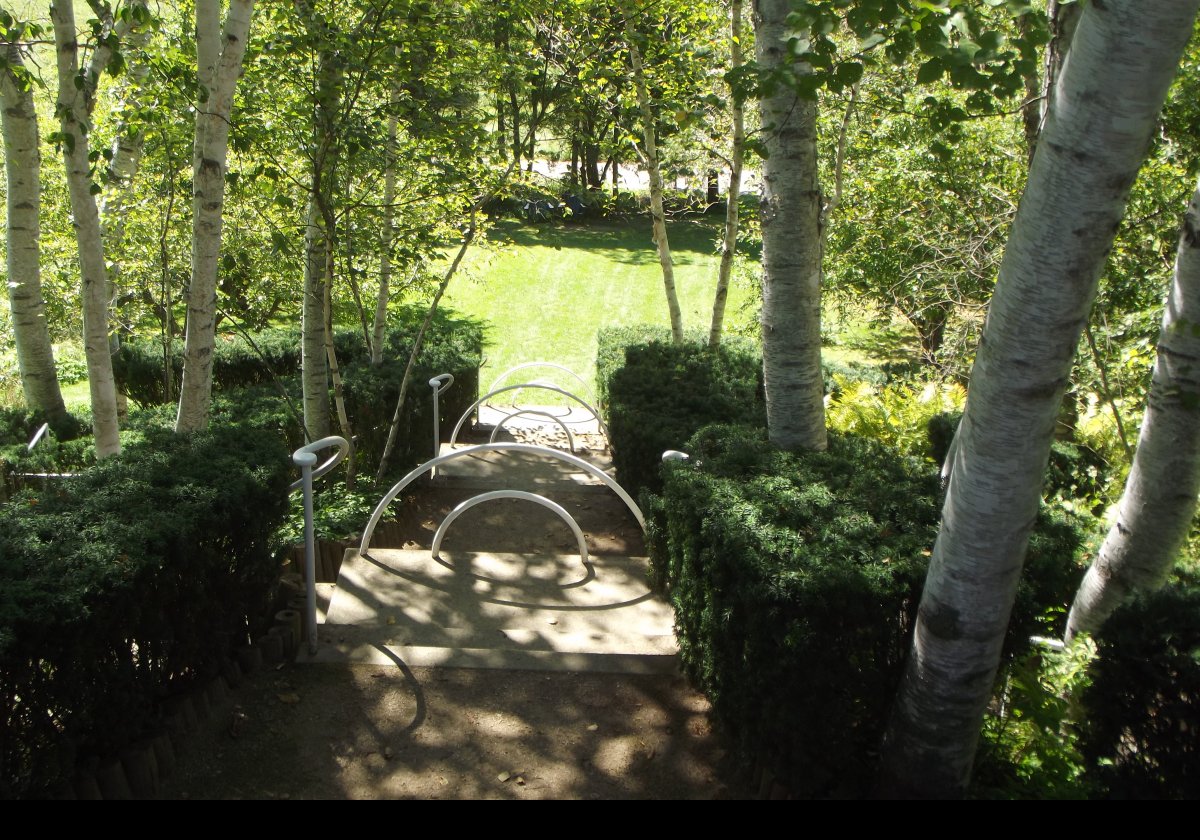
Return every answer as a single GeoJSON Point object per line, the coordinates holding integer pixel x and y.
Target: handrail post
{"type": "Point", "coordinates": [439, 383]}
{"type": "Point", "coordinates": [306, 461]}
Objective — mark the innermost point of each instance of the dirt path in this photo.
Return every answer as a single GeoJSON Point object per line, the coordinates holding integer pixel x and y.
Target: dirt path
{"type": "Point", "coordinates": [324, 731]}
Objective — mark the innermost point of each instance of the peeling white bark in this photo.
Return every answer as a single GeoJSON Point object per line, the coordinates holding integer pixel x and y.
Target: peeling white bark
{"type": "Point", "coordinates": [218, 63]}
{"type": "Point", "coordinates": [791, 235]}
{"type": "Point", "coordinates": [650, 158]}
{"type": "Point", "coordinates": [1159, 501]}
{"type": "Point", "coordinates": [73, 113]}
{"type": "Point", "coordinates": [1122, 61]}
{"type": "Point", "coordinates": [22, 167]}
{"type": "Point", "coordinates": [737, 155]}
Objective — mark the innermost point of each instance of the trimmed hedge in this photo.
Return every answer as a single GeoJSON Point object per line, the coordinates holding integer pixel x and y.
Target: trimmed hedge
{"type": "Point", "coordinates": [795, 580]}
{"type": "Point", "coordinates": [121, 585]}
{"type": "Point", "coordinates": [664, 393]}
{"type": "Point", "coordinates": [454, 345]}
{"type": "Point", "coordinates": [275, 354]}
{"type": "Point", "coordinates": [1141, 731]}
{"type": "Point", "coordinates": [63, 449]}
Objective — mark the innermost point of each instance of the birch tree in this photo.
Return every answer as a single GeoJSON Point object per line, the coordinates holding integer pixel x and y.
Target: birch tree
{"type": "Point", "coordinates": [219, 55]}
{"type": "Point", "coordinates": [22, 167]}
{"type": "Point", "coordinates": [736, 157]}
{"type": "Point", "coordinates": [1121, 63]}
{"type": "Point", "coordinates": [791, 235]}
{"type": "Point", "coordinates": [76, 95]}
{"type": "Point", "coordinates": [1159, 501]}
{"type": "Point", "coordinates": [649, 154]}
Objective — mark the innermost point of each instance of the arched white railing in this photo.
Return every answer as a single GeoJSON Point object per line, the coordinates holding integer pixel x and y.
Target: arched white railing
{"type": "Point", "coordinates": [511, 494]}
{"type": "Point", "coordinates": [535, 413]}
{"type": "Point", "coordinates": [496, 382]}
{"type": "Point", "coordinates": [458, 426]}
{"type": "Point", "coordinates": [558, 454]}
{"type": "Point", "coordinates": [306, 458]}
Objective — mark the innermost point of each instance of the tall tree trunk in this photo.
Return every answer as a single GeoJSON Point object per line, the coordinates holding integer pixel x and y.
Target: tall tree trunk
{"type": "Point", "coordinates": [657, 217]}
{"type": "Point", "coordinates": [335, 373]}
{"type": "Point", "coordinates": [1159, 501]}
{"type": "Point", "coordinates": [791, 236]}
{"type": "Point", "coordinates": [128, 144]}
{"type": "Point", "coordinates": [418, 342]}
{"type": "Point", "coordinates": [1101, 122]}
{"type": "Point", "coordinates": [732, 206]}
{"type": "Point", "coordinates": [219, 62]}
{"type": "Point", "coordinates": [313, 359]}
{"type": "Point", "coordinates": [22, 166]}
{"type": "Point", "coordinates": [389, 234]}
{"type": "Point", "coordinates": [73, 110]}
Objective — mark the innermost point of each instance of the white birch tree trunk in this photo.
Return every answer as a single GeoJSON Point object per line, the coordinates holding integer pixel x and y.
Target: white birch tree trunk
{"type": "Point", "coordinates": [657, 216]}
{"type": "Point", "coordinates": [128, 144]}
{"type": "Point", "coordinates": [736, 157]}
{"type": "Point", "coordinates": [1121, 63]}
{"type": "Point", "coordinates": [218, 63]}
{"type": "Point", "coordinates": [73, 113]}
{"type": "Point", "coordinates": [1159, 501]}
{"type": "Point", "coordinates": [22, 167]}
{"type": "Point", "coordinates": [791, 236]}
{"type": "Point", "coordinates": [379, 331]}
{"type": "Point", "coordinates": [313, 359]}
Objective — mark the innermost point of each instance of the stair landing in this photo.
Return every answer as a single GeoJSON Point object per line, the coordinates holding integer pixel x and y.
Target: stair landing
{"type": "Point", "coordinates": [498, 610]}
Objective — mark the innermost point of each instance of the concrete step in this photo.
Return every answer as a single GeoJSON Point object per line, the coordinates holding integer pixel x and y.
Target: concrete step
{"type": "Point", "coordinates": [520, 471]}
{"type": "Point", "coordinates": [486, 609]}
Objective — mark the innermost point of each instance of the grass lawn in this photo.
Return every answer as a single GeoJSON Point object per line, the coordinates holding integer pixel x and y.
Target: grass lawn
{"type": "Point", "coordinates": [546, 289]}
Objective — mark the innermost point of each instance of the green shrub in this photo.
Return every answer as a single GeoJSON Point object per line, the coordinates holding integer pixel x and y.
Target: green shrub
{"type": "Point", "coordinates": [610, 351]}
{"type": "Point", "coordinates": [795, 580]}
{"type": "Point", "coordinates": [1142, 712]}
{"type": "Point", "coordinates": [1030, 743]}
{"type": "Point", "coordinates": [664, 393]}
{"type": "Point", "coordinates": [452, 345]}
{"type": "Point", "coordinates": [120, 586]}
{"type": "Point", "coordinates": [265, 356]}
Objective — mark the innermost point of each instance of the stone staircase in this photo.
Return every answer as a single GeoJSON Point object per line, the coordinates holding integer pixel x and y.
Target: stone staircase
{"type": "Point", "coordinates": [481, 608]}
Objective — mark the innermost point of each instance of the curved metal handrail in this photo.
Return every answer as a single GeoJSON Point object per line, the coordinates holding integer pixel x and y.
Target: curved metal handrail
{"type": "Point", "coordinates": [511, 494]}
{"type": "Point", "coordinates": [556, 389]}
{"type": "Point", "coordinates": [561, 425]}
{"type": "Point", "coordinates": [308, 454]}
{"type": "Point", "coordinates": [554, 365]}
{"type": "Point", "coordinates": [439, 384]}
{"type": "Point", "coordinates": [574, 460]}
{"type": "Point", "coordinates": [306, 457]}
{"type": "Point", "coordinates": [37, 437]}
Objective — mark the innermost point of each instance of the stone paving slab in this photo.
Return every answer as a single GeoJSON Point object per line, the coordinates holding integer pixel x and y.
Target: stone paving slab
{"type": "Point", "coordinates": [519, 470]}
{"type": "Point", "coordinates": [499, 610]}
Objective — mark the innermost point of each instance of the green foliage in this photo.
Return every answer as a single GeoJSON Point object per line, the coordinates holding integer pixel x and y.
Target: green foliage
{"type": "Point", "coordinates": [611, 343]}
{"type": "Point", "coordinates": [795, 580]}
{"type": "Point", "coordinates": [895, 415]}
{"type": "Point", "coordinates": [1143, 707]}
{"type": "Point", "coordinates": [452, 344]}
{"type": "Point", "coordinates": [122, 585]}
{"type": "Point", "coordinates": [1030, 746]}
{"type": "Point", "coordinates": [664, 393]}
{"type": "Point", "coordinates": [238, 360]}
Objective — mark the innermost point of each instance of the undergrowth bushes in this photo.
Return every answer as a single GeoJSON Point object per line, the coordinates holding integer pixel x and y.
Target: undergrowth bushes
{"type": "Point", "coordinates": [120, 585]}
{"type": "Point", "coordinates": [662, 393]}
{"type": "Point", "coordinates": [795, 580]}
{"type": "Point", "coordinates": [1142, 710]}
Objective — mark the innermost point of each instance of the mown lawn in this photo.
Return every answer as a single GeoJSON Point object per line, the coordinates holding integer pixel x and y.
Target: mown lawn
{"type": "Point", "coordinates": [546, 289]}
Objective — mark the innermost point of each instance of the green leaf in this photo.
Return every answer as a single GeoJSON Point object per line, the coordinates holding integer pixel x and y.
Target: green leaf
{"type": "Point", "coordinates": [930, 71]}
